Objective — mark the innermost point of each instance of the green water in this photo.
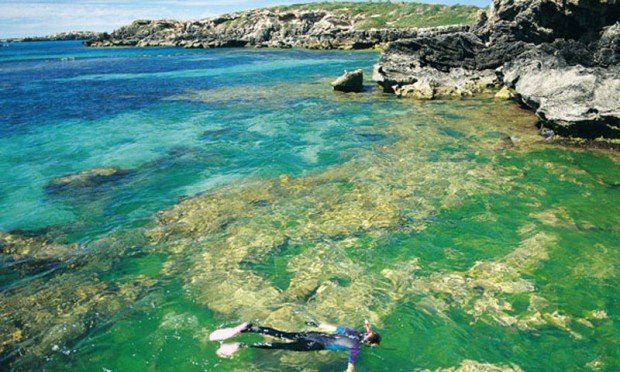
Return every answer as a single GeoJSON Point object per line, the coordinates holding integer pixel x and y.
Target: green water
{"type": "Point", "coordinates": [460, 245]}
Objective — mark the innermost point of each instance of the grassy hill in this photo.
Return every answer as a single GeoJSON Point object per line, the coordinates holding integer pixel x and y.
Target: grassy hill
{"type": "Point", "coordinates": [394, 14]}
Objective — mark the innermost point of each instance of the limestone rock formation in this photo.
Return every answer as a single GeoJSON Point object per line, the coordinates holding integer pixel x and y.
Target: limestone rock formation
{"type": "Point", "coordinates": [560, 57]}
{"type": "Point", "coordinates": [505, 94]}
{"type": "Point", "coordinates": [63, 36]}
{"type": "Point", "coordinates": [350, 82]}
{"type": "Point", "coordinates": [572, 99]}
{"type": "Point", "coordinates": [608, 52]}
{"type": "Point", "coordinates": [258, 28]}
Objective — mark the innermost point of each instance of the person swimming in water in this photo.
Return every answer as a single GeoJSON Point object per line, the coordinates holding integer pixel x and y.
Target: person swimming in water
{"type": "Point", "coordinates": [332, 338]}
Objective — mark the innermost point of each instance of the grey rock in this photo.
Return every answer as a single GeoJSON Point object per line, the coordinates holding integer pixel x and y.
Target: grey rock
{"type": "Point", "coordinates": [429, 83]}
{"type": "Point", "coordinates": [573, 100]}
{"type": "Point", "coordinates": [350, 82]}
{"type": "Point", "coordinates": [450, 59]}
{"type": "Point", "coordinates": [63, 36]}
{"type": "Point", "coordinates": [256, 28]}
{"type": "Point", "coordinates": [540, 21]}
{"type": "Point", "coordinates": [608, 52]}
{"type": "Point", "coordinates": [547, 133]}
{"type": "Point", "coordinates": [560, 56]}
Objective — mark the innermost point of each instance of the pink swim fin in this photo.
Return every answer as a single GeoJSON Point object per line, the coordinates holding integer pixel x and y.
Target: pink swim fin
{"type": "Point", "coordinates": [227, 350]}
{"type": "Point", "coordinates": [226, 333]}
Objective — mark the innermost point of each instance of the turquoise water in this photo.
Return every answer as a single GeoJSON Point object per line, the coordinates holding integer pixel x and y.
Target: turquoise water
{"type": "Point", "coordinates": [251, 191]}
{"type": "Point", "coordinates": [60, 119]}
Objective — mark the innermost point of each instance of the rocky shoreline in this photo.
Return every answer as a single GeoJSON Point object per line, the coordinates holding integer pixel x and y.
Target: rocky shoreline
{"type": "Point", "coordinates": [559, 57]}
{"type": "Point", "coordinates": [61, 36]}
{"type": "Point", "coordinates": [263, 28]}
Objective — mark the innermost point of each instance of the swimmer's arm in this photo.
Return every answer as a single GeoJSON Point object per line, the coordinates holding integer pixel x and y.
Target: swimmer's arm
{"type": "Point", "coordinates": [351, 367]}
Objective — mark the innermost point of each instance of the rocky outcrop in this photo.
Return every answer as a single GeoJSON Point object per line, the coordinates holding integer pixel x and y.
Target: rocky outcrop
{"type": "Point", "coordinates": [456, 64]}
{"type": "Point", "coordinates": [505, 94]}
{"type": "Point", "coordinates": [350, 82]}
{"type": "Point", "coordinates": [560, 57]}
{"type": "Point", "coordinates": [86, 179]}
{"type": "Point", "coordinates": [608, 47]}
{"type": "Point", "coordinates": [430, 83]}
{"type": "Point", "coordinates": [271, 28]}
{"type": "Point", "coordinates": [64, 36]}
{"type": "Point", "coordinates": [571, 99]}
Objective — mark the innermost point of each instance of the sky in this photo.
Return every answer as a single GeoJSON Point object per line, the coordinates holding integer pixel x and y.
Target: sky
{"type": "Point", "coordinates": [19, 18]}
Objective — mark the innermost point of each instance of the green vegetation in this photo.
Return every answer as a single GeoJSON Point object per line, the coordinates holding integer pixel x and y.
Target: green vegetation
{"type": "Point", "coordinates": [393, 15]}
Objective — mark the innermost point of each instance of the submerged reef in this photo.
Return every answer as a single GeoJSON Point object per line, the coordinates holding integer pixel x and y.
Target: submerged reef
{"type": "Point", "coordinates": [87, 179]}
{"type": "Point", "coordinates": [225, 241]}
{"type": "Point", "coordinates": [475, 366]}
{"type": "Point", "coordinates": [319, 245]}
{"type": "Point", "coordinates": [47, 314]}
{"type": "Point", "coordinates": [16, 247]}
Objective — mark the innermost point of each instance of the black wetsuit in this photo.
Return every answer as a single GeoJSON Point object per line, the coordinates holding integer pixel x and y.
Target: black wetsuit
{"type": "Point", "coordinates": [344, 339]}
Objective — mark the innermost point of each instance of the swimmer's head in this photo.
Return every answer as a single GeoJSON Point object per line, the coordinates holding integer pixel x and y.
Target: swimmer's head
{"type": "Point", "coordinates": [371, 338]}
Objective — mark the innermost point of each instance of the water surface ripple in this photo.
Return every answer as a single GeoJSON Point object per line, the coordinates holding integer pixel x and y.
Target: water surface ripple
{"type": "Point", "coordinates": [230, 185]}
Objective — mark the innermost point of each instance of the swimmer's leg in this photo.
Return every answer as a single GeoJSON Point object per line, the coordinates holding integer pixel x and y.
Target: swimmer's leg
{"type": "Point", "coordinates": [271, 332]}
{"type": "Point", "coordinates": [228, 350]}
{"type": "Point", "coordinates": [299, 345]}
{"type": "Point", "coordinates": [226, 333]}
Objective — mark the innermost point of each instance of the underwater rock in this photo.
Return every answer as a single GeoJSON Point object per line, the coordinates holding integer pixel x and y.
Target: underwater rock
{"type": "Point", "coordinates": [481, 291]}
{"type": "Point", "coordinates": [51, 313]}
{"type": "Point", "coordinates": [89, 178]}
{"type": "Point", "coordinates": [468, 365]}
{"type": "Point", "coordinates": [32, 251]}
{"type": "Point", "coordinates": [598, 315]}
{"type": "Point", "coordinates": [350, 82]}
{"type": "Point", "coordinates": [227, 243]}
{"type": "Point", "coordinates": [177, 322]}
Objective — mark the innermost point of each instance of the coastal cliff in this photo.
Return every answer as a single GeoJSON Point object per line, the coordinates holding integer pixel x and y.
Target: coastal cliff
{"type": "Point", "coordinates": [313, 26]}
{"type": "Point", "coordinates": [560, 57]}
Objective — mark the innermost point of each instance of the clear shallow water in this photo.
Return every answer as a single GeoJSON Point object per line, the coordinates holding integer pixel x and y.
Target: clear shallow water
{"type": "Point", "coordinates": [296, 203]}
{"type": "Point", "coordinates": [56, 120]}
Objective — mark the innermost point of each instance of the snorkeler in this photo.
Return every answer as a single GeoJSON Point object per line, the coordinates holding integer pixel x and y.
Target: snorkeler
{"type": "Point", "coordinates": [333, 338]}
